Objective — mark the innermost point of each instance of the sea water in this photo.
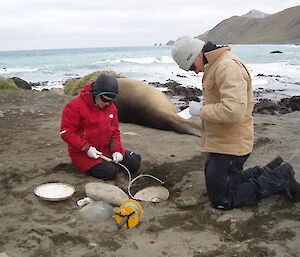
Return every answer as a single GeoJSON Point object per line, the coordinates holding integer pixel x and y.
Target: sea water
{"type": "Point", "coordinates": [151, 64]}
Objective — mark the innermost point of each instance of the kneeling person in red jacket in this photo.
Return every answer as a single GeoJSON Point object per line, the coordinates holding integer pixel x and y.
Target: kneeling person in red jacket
{"type": "Point", "coordinates": [90, 127]}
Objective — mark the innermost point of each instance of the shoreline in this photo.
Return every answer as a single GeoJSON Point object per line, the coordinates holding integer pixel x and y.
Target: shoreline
{"type": "Point", "coordinates": [182, 95]}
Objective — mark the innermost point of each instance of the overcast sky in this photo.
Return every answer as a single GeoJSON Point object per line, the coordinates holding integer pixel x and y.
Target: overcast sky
{"type": "Point", "coordinates": [47, 24]}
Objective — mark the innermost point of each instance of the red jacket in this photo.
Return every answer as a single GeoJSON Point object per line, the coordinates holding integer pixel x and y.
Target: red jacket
{"type": "Point", "coordinates": [84, 124]}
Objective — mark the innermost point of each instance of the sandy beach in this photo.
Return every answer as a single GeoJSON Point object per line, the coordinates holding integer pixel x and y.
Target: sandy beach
{"type": "Point", "coordinates": [32, 153]}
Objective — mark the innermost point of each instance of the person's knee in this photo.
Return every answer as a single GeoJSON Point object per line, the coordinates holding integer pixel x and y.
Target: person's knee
{"type": "Point", "coordinates": [110, 173]}
{"type": "Point", "coordinates": [132, 161]}
{"type": "Point", "coordinates": [104, 171]}
{"type": "Point", "coordinates": [223, 204]}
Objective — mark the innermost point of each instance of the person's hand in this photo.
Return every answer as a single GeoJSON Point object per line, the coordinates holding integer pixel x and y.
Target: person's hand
{"type": "Point", "coordinates": [194, 108]}
{"type": "Point", "coordinates": [93, 153]}
{"type": "Point", "coordinates": [117, 157]}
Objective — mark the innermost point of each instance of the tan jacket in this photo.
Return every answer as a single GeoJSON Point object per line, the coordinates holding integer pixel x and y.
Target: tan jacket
{"type": "Point", "coordinates": [227, 113]}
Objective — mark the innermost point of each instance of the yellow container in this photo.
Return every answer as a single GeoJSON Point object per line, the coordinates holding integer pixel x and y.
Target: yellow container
{"type": "Point", "coordinates": [128, 214]}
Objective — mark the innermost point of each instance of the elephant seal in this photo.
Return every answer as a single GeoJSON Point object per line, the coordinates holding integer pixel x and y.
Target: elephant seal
{"type": "Point", "coordinates": [142, 104]}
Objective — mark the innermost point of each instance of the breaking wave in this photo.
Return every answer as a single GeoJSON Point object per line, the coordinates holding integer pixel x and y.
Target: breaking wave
{"type": "Point", "coordinates": [143, 60]}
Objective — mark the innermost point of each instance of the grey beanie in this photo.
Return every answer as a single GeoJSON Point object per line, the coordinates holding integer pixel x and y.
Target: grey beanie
{"type": "Point", "coordinates": [186, 50]}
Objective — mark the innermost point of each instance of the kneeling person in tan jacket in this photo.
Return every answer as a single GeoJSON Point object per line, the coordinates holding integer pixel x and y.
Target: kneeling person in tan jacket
{"type": "Point", "coordinates": [227, 128]}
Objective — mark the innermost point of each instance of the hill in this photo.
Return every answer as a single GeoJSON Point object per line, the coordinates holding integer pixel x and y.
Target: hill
{"type": "Point", "coordinates": [278, 28]}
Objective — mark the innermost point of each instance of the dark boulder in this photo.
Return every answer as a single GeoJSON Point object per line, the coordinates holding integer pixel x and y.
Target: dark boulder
{"type": "Point", "coordinates": [266, 106]}
{"type": "Point", "coordinates": [21, 83]}
{"type": "Point", "coordinates": [292, 103]}
{"type": "Point", "coordinates": [271, 76]}
{"type": "Point", "coordinates": [179, 95]}
{"type": "Point", "coordinates": [285, 105]}
{"type": "Point", "coordinates": [176, 89]}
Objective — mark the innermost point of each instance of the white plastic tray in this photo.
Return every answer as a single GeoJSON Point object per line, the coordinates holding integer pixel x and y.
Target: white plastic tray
{"type": "Point", "coordinates": [54, 191]}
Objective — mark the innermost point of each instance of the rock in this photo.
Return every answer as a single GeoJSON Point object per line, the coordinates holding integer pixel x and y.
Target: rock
{"type": "Point", "coordinates": [265, 106]}
{"type": "Point", "coordinates": [292, 103]}
{"type": "Point", "coordinates": [276, 52]}
{"type": "Point", "coordinates": [270, 76]}
{"type": "Point", "coordinates": [100, 191]}
{"type": "Point", "coordinates": [170, 43]}
{"type": "Point", "coordinates": [21, 83]}
{"type": "Point", "coordinates": [176, 92]}
{"type": "Point", "coordinates": [285, 105]}
{"type": "Point", "coordinates": [38, 84]}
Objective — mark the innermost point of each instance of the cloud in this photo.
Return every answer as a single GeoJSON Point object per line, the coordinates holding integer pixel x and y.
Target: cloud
{"type": "Point", "coordinates": [74, 23]}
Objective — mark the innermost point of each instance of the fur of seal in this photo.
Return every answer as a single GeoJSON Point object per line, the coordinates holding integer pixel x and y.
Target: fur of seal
{"type": "Point", "coordinates": [142, 104]}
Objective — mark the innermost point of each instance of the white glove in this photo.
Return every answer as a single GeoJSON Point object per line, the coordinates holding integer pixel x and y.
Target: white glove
{"type": "Point", "coordinates": [93, 153]}
{"type": "Point", "coordinates": [117, 157]}
{"type": "Point", "coordinates": [195, 108]}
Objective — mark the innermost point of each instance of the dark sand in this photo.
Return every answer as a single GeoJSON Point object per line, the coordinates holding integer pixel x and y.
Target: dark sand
{"type": "Point", "coordinates": [32, 153]}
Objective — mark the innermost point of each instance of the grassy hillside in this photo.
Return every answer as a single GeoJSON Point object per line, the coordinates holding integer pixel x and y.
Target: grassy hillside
{"type": "Point", "coordinates": [282, 27]}
{"type": "Point", "coordinates": [8, 84]}
{"type": "Point", "coordinates": [73, 86]}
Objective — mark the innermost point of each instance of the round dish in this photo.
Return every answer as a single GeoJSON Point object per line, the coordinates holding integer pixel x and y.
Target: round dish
{"type": "Point", "coordinates": [54, 191]}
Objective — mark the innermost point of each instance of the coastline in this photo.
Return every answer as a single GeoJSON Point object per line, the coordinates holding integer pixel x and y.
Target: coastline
{"type": "Point", "coordinates": [277, 72]}
{"type": "Point", "coordinates": [181, 95]}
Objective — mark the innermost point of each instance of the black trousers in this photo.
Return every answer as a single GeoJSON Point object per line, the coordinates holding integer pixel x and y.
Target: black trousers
{"type": "Point", "coordinates": [228, 185]}
{"type": "Point", "coordinates": [108, 170]}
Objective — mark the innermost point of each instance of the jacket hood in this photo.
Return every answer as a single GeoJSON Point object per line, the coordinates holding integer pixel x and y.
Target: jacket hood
{"type": "Point", "coordinates": [86, 95]}
{"type": "Point", "coordinates": [86, 88]}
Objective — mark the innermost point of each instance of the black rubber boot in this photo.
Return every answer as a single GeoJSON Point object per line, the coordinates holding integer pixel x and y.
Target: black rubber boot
{"type": "Point", "coordinates": [257, 171]}
{"type": "Point", "coordinates": [295, 191]}
{"type": "Point", "coordinates": [295, 186]}
{"type": "Point", "coordinates": [274, 163]}
{"type": "Point", "coordinates": [276, 181]}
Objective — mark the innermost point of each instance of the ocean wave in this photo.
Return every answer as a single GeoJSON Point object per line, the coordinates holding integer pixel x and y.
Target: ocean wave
{"type": "Point", "coordinates": [17, 70]}
{"type": "Point", "coordinates": [143, 60]}
{"type": "Point", "coordinates": [259, 82]}
{"type": "Point", "coordinates": [283, 69]}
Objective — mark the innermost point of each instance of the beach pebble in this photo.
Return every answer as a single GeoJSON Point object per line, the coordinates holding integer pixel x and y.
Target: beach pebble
{"type": "Point", "coordinates": [100, 191]}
